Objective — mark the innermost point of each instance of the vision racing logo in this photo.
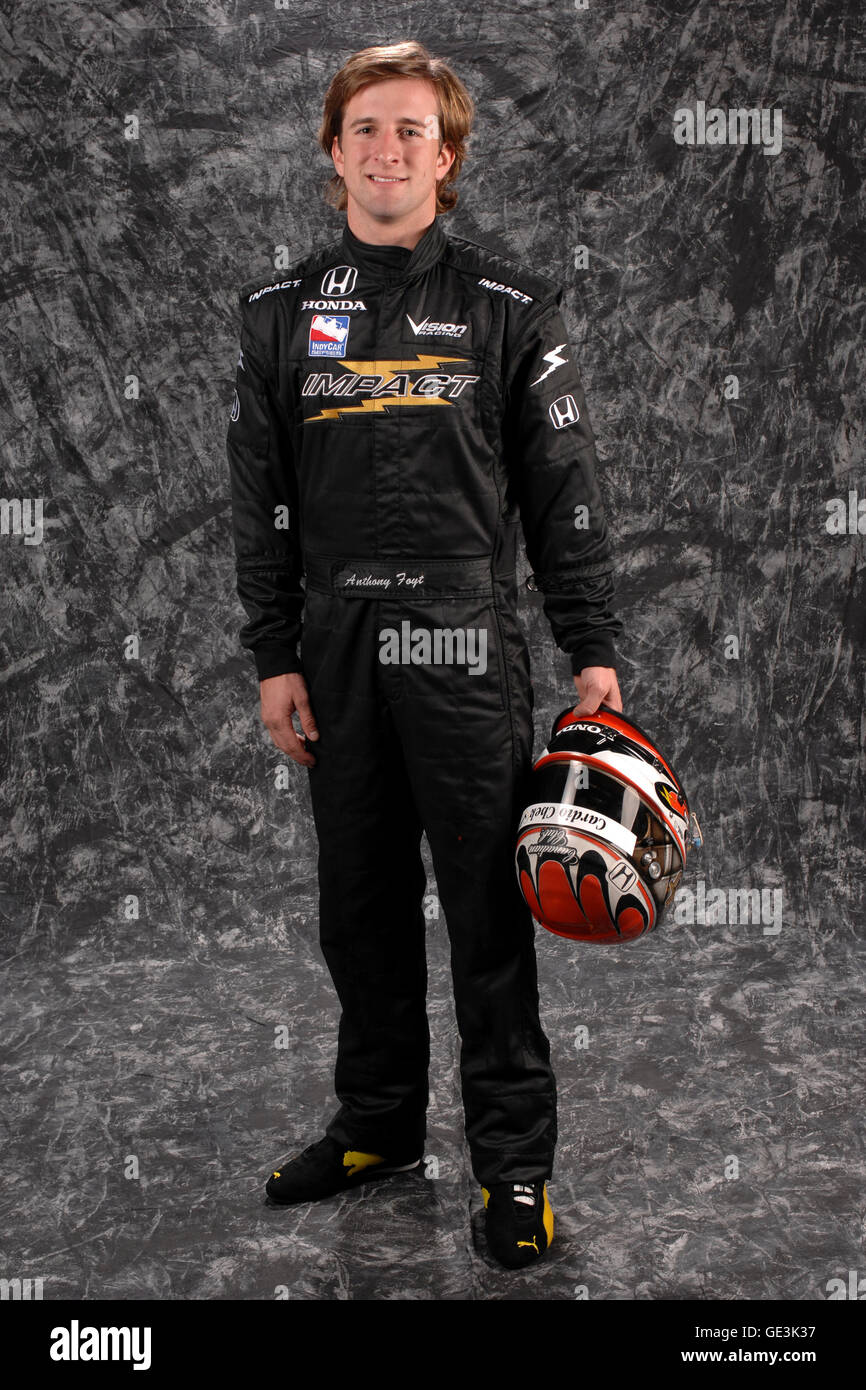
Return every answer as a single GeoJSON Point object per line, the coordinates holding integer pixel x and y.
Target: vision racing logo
{"type": "Point", "coordinates": [378, 385]}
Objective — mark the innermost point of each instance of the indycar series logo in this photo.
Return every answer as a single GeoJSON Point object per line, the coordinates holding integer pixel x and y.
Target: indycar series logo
{"type": "Point", "coordinates": [329, 335]}
{"type": "Point", "coordinates": [368, 386]}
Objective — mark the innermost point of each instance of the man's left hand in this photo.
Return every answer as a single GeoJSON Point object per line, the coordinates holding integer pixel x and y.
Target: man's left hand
{"type": "Point", "coordinates": [597, 685]}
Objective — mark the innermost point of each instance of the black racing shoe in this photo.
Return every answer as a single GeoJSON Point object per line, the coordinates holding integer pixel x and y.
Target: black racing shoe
{"type": "Point", "coordinates": [328, 1167]}
{"type": "Point", "coordinates": [519, 1222]}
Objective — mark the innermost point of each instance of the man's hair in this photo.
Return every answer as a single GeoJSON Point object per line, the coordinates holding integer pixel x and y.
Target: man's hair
{"type": "Point", "coordinates": [407, 59]}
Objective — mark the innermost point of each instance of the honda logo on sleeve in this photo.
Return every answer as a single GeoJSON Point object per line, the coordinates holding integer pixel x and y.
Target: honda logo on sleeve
{"type": "Point", "coordinates": [340, 280]}
{"type": "Point", "coordinates": [564, 412]}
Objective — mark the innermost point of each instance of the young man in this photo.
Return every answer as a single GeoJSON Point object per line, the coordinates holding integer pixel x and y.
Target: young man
{"type": "Point", "coordinates": [405, 400]}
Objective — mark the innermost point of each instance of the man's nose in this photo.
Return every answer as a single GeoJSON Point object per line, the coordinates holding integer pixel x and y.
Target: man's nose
{"type": "Point", "coordinates": [388, 146]}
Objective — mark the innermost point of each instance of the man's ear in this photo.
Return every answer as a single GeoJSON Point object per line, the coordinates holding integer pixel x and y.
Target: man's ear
{"type": "Point", "coordinates": [448, 151]}
{"type": "Point", "coordinates": [337, 154]}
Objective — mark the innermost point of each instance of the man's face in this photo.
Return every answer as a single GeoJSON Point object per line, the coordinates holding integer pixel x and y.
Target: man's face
{"type": "Point", "coordinates": [389, 154]}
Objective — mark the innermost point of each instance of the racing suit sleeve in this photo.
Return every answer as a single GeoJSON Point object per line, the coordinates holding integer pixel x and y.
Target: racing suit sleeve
{"type": "Point", "coordinates": [550, 456]}
{"type": "Point", "coordinates": [264, 514]}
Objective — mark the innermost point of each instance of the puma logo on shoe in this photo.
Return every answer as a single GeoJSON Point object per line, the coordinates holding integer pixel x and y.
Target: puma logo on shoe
{"type": "Point", "coordinates": [356, 1162]}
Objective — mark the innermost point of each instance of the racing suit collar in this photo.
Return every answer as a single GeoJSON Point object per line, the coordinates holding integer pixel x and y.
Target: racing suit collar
{"type": "Point", "coordinates": [392, 264]}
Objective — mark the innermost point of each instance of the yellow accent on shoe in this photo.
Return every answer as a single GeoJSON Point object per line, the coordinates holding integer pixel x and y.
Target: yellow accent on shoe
{"type": "Point", "coordinates": [276, 1175]}
{"type": "Point", "coordinates": [356, 1162]}
{"type": "Point", "coordinates": [547, 1218]}
{"type": "Point", "coordinates": [486, 1195]}
{"type": "Point", "coordinates": [532, 1243]}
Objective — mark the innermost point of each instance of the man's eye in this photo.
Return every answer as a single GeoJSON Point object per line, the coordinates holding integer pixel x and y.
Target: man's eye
{"type": "Point", "coordinates": [407, 130]}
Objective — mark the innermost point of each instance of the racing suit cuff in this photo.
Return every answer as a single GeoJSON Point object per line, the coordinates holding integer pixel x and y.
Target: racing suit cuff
{"type": "Point", "coordinates": [276, 660]}
{"type": "Point", "coordinates": [597, 651]}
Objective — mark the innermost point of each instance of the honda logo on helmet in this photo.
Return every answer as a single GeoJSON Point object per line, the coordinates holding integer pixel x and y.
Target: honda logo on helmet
{"type": "Point", "coordinates": [623, 876]}
{"type": "Point", "coordinates": [564, 412]}
{"type": "Point", "coordinates": [340, 280]}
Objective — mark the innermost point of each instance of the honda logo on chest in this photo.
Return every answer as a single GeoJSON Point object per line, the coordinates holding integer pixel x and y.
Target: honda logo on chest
{"type": "Point", "coordinates": [564, 412]}
{"type": "Point", "coordinates": [340, 280]}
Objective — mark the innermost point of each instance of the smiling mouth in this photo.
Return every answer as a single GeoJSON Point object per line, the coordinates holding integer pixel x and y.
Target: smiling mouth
{"type": "Point", "coordinates": [385, 178]}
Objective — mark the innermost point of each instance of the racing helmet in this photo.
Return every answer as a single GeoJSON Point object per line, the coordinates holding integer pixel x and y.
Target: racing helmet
{"type": "Point", "coordinates": [602, 842]}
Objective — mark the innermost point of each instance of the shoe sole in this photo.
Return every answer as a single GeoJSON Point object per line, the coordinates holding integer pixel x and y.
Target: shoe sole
{"type": "Point", "coordinates": [372, 1175]}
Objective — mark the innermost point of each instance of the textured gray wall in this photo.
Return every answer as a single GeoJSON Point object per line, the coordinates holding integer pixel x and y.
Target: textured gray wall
{"type": "Point", "coordinates": [718, 324]}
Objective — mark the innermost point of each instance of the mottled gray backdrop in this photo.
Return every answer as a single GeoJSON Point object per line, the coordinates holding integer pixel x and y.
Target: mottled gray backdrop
{"type": "Point", "coordinates": [169, 1025]}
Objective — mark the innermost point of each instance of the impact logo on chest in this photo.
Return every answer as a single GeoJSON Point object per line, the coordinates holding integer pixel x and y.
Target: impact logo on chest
{"type": "Point", "coordinates": [369, 386]}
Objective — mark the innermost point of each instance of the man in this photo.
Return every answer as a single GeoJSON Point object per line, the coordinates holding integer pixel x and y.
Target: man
{"type": "Point", "coordinates": [404, 400]}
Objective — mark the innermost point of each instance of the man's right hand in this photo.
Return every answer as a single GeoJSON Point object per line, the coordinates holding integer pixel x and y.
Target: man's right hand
{"type": "Point", "coordinates": [281, 696]}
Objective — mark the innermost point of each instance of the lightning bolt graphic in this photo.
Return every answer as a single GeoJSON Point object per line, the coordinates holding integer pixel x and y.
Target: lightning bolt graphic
{"type": "Point", "coordinates": [555, 361]}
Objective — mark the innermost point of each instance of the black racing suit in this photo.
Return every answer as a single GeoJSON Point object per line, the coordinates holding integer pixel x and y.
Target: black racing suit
{"type": "Point", "coordinates": [398, 415]}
